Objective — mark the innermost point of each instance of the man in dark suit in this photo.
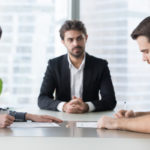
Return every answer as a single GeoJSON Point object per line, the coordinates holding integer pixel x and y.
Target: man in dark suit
{"type": "Point", "coordinates": [8, 117]}
{"type": "Point", "coordinates": [77, 77]}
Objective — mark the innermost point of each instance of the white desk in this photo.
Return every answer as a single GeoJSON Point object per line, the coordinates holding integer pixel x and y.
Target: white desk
{"type": "Point", "coordinates": [72, 138]}
{"type": "Point", "coordinates": [73, 131]}
{"type": "Point", "coordinates": [92, 116]}
{"type": "Point", "coordinates": [47, 143]}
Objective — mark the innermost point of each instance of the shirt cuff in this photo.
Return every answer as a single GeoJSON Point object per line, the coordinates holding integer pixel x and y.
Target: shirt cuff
{"type": "Point", "coordinates": [60, 106]}
{"type": "Point", "coordinates": [91, 106]}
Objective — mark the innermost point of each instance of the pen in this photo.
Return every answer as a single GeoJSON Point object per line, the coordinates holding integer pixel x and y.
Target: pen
{"type": "Point", "coordinates": [125, 105]}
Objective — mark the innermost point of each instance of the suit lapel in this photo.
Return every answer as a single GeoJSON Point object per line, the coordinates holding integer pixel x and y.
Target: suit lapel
{"type": "Point", "coordinates": [86, 76]}
{"type": "Point", "coordinates": [66, 77]}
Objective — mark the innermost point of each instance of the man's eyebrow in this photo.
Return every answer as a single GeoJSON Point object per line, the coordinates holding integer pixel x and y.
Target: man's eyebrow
{"type": "Point", "coordinates": [69, 38]}
{"type": "Point", "coordinates": [79, 36]}
{"type": "Point", "coordinates": [74, 37]}
{"type": "Point", "coordinates": [143, 50]}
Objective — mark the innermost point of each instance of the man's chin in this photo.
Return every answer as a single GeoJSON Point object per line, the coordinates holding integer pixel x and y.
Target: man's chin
{"type": "Point", "coordinates": [77, 55]}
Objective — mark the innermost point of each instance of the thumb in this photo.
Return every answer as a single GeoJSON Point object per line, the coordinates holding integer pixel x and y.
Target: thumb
{"type": "Point", "coordinates": [80, 99]}
{"type": "Point", "coordinates": [74, 97]}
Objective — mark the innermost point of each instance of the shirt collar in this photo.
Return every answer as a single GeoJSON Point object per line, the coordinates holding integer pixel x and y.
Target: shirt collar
{"type": "Point", "coordinates": [82, 64]}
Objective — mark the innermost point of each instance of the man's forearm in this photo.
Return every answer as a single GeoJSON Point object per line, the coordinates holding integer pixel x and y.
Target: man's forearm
{"type": "Point", "coordinates": [104, 104]}
{"type": "Point", "coordinates": [138, 124]}
{"type": "Point", "coordinates": [45, 102]}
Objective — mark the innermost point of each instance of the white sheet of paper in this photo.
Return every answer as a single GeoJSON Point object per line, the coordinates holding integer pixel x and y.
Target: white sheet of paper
{"type": "Point", "coordinates": [33, 125]}
{"type": "Point", "coordinates": [86, 124]}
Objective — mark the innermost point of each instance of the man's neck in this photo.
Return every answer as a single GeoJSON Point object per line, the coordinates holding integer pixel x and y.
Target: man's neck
{"type": "Point", "coordinates": [76, 61]}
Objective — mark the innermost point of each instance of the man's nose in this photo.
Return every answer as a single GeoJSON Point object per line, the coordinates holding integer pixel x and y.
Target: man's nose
{"type": "Point", "coordinates": [144, 57]}
{"type": "Point", "coordinates": [75, 42]}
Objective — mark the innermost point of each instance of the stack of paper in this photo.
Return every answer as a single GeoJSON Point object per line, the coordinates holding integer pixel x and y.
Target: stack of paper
{"type": "Point", "coordinates": [86, 124]}
{"type": "Point", "coordinates": [33, 125]}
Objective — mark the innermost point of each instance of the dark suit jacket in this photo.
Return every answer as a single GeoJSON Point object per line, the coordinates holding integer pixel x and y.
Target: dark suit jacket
{"type": "Point", "coordinates": [96, 78]}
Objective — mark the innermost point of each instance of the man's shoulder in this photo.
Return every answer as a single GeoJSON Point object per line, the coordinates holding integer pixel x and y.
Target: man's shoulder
{"type": "Point", "coordinates": [95, 59]}
{"type": "Point", "coordinates": [58, 59]}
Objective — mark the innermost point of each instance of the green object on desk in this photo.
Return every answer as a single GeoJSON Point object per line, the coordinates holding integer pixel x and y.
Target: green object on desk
{"type": "Point", "coordinates": [1, 85]}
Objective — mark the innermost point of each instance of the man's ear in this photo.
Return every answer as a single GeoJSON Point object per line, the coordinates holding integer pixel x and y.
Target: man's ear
{"type": "Point", "coordinates": [62, 41]}
{"type": "Point", "coordinates": [86, 37]}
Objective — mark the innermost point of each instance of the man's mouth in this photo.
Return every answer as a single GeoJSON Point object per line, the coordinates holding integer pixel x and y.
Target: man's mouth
{"type": "Point", "coordinates": [77, 48]}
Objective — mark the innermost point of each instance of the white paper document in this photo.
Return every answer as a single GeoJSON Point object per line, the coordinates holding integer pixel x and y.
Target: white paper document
{"type": "Point", "coordinates": [33, 125]}
{"type": "Point", "coordinates": [86, 124]}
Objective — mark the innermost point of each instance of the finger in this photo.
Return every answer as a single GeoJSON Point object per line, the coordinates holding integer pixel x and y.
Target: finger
{"type": "Point", "coordinates": [54, 119]}
{"type": "Point", "coordinates": [46, 120]}
{"type": "Point", "coordinates": [116, 115]}
{"type": "Point", "coordinates": [73, 110]}
{"type": "Point", "coordinates": [11, 118]}
{"type": "Point", "coordinates": [4, 125]}
{"type": "Point", "coordinates": [1, 126]}
{"type": "Point", "coordinates": [74, 97]}
{"type": "Point", "coordinates": [78, 109]}
{"type": "Point", "coordinates": [6, 121]}
{"type": "Point", "coordinates": [75, 101]}
{"type": "Point", "coordinates": [99, 124]}
{"type": "Point", "coordinates": [72, 102]}
{"type": "Point", "coordinates": [80, 99]}
{"type": "Point", "coordinates": [121, 113]}
{"type": "Point", "coordinates": [9, 122]}
{"type": "Point", "coordinates": [129, 113]}
{"type": "Point", "coordinates": [43, 120]}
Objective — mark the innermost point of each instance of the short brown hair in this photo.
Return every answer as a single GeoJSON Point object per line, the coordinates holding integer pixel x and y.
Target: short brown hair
{"type": "Point", "coordinates": [72, 25]}
{"type": "Point", "coordinates": [0, 32]}
{"type": "Point", "coordinates": [142, 29]}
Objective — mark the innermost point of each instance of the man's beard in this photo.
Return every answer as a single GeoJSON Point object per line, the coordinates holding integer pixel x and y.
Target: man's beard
{"type": "Point", "coordinates": [77, 55]}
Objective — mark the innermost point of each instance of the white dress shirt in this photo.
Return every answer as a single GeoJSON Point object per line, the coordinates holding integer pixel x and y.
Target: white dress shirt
{"type": "Point", "coordinates": [76, 78]}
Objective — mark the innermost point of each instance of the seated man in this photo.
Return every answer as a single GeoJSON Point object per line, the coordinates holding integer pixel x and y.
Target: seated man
{"type": "Point", "coordinates": [127, 119]}
{"type": "Point", "coordinates": [8, 119]}
{"type": "Point", "coordinates": [77, 77]}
